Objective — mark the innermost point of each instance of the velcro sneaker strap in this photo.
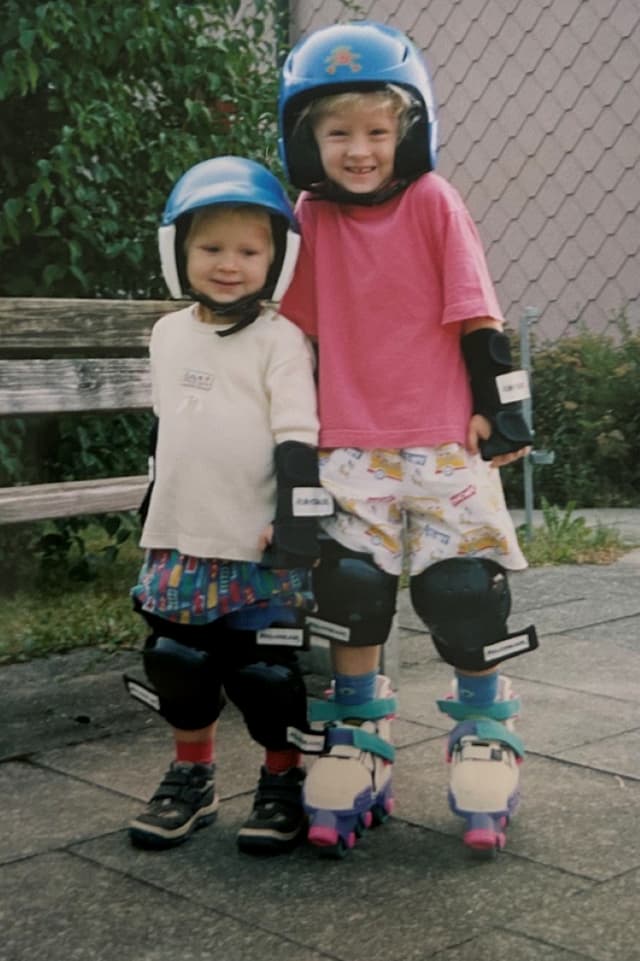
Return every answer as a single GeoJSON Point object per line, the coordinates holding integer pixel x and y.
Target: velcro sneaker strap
{"type": "Point", "coordinates": [309, 742]}
{"type": "Point", "coordinates": [486, 730]}
{"type": "Point", "coordinates": [498, 711]}
{"type": "Point", "coordinates": [371, 711]}
{"type": "Point", "coordinates": [363, 740]}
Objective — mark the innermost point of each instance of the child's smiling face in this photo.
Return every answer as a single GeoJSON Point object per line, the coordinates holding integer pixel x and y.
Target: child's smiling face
{"type": "Point", "coordinates": [357, 144]}
{"type": "Point", "coordinates": [229, 252]}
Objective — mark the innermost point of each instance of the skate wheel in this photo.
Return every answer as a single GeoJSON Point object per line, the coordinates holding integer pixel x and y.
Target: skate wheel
{"type": "Point", "coordinates": [484, 854]}
{"type": "Point", "coordinates": [484, 843]}
{"type": "Point", "coordinates": [338, 850]}
{"type": "Point", "coordinates": [381, 812]}
{"type": "Point", "coordinates": [329, 843]}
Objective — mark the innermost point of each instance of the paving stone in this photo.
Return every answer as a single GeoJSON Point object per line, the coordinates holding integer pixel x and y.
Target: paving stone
{"type": "Point", "coordinates": [60, 907]}
{"type": "Point", "coordinates": [43, 810]}
{"type": "Point", "coordinates": [603, 923]}
{"type": "Point", "coordinates": [498, 945]}
{"type": "Point", "coordinates": [391, 897]}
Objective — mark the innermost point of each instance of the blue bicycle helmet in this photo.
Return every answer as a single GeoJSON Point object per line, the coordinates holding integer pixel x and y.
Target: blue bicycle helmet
{"type": "Point", "coordinates": [228, 180]}
{"type": "Point", "coordinates": [362, 55]}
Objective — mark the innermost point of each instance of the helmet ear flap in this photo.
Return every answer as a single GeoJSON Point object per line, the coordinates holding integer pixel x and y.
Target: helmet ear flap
{"type": "Point", "coordinates": [304, 164]}
{"type": "Point", "coordinates": [279, 228]}
{"type": "Point", "coordinates": [182, 229]}
{"type": "Point", "coordinates": [167, 248]}
{"type": "Point", "coordinates": [410, 159]}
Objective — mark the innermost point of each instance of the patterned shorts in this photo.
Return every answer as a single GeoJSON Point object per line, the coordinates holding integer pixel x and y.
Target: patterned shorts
{"type": "Point", "coordinates": [412, 507]}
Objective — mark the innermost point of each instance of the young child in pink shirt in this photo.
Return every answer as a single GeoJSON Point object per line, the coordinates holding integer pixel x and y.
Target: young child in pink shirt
{"type": "Point", "coordinates": [418, 407]}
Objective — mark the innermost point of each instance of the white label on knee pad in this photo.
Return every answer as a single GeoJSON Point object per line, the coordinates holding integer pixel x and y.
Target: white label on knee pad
{"type": "Point", "coordinates": [334, 632]}
{"type": "Point", "coordinates": [141, 693]}
{"type": "Point", "coordinates": [311, 502]}
{"type": "Point", "coordinates": [515, 644]}
{"type": "Point", "coordinates": [281, 636]}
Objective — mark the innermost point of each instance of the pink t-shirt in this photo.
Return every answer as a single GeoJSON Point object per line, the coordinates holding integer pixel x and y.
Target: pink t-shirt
{"type": "Point", "coordinates": [384, 290]}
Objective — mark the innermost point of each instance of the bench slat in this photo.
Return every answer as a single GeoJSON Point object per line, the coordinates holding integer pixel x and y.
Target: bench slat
{"type": "Point", "coordinates": [38, 327]}
{"type": "Point", "coordinates": [43, 501]}
{"type": "Point", "coordinates": [74, 384]}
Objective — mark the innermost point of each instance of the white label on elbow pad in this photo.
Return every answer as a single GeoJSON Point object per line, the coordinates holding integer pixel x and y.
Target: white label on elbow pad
{"type": "Point", "coordinates": [311, 502]}
{"type": "Point", "coordinates": [513, 386]}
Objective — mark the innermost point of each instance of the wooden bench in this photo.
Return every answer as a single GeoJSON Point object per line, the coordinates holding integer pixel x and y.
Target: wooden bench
{"type": "Point", "coordinates": [73, 356]}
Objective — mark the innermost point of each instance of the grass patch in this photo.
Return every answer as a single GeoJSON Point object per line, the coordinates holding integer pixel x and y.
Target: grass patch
{"type": "Point", "coordinates": [565, 539]}
{"type": "Point", "coordinates": [60, 613]}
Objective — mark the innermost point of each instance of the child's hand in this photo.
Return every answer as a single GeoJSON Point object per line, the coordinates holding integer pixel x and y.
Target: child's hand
{"type": "Point", "coordinates": [266, 538]}
{"type": "Point", "coordinates": [480, 429]}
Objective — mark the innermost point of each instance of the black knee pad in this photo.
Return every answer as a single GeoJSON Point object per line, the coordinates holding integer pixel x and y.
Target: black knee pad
{"type": "Point", "coordinates": [356, 600]}
{"type": "Point", "coordinates": [465, 603]}
{"type": "Point", "coordinates": [272, 697]}
{"type": "Point", "coordinates": [185, 679]}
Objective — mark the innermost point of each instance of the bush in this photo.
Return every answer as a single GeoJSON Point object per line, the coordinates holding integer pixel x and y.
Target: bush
{"type": "Point", "coordinates": [102, 107]}
{"type": "Point", "coordinates": [585, 409]}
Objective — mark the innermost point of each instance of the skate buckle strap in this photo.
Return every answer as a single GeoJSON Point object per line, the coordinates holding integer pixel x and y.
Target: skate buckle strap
{"type": "Point", "coordinates": [486, 730]}
{"type": "Point", "coordinates": [363, 740]}
{"type": "Point", "coordinates": [371, 711]}
{"type": "Point", "coordinates": [498, 711]}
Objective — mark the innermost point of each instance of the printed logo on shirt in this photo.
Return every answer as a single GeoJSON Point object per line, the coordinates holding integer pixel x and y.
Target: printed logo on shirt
{"type": "Point", "coordinates": [198, 379]}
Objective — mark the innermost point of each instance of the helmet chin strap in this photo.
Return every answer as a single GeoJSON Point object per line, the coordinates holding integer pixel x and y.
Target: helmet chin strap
{"type": "Point", "coordinates": [245, 308]}
{"type": "Point", "coordinates": [332, 191]}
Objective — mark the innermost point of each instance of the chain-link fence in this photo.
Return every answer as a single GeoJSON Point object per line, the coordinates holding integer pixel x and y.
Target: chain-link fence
{"type": "Point", "coordinates": [539, 131]}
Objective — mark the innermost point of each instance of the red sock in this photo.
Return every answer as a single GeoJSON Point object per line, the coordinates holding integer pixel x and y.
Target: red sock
{"type": "Point", "coordinates": [278, 762]}
{"type": "Point", "coordinates": [195, 752]}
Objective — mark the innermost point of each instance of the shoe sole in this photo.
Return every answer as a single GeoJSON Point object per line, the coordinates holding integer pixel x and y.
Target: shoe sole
{"type": "Point", "coordinates": [268, 844]}
{"type": "Point", "coordinates": [143, 836]}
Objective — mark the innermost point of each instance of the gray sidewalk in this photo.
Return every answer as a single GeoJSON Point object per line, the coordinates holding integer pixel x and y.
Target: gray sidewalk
{"type": "Point", "coordinates": [79, 758]}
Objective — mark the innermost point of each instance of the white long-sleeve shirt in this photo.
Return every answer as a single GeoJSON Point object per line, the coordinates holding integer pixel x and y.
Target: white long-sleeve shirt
{"type": "Point", "coordinates": [223, 405]}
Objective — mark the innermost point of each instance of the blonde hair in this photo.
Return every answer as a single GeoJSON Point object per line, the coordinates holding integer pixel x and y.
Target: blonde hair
{"type": "Point", "coordinates": [399, 101]}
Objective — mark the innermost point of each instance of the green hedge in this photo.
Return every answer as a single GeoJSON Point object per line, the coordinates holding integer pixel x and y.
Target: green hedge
{"type": "Point", "coordinates": [586, 408]}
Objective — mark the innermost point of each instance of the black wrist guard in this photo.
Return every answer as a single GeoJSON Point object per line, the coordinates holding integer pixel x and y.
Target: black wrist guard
{"type": "Point", "coordinates": [301, 500]}
{"type": "Point", "coordinates": [498, 391]}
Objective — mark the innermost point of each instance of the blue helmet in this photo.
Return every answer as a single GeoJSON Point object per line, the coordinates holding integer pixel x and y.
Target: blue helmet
{"type": "Point", "coordinates": [365, 56]}
{"type": "Point", "coordinates": [227, 180]}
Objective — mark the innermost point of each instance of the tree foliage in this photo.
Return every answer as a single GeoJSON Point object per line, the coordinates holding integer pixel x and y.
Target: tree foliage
{"type": "Point", "coordinates": [102, 107]}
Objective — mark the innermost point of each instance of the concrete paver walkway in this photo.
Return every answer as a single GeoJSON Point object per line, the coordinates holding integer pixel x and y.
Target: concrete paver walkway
{"type": "Point", "coordinates": [78, 759]}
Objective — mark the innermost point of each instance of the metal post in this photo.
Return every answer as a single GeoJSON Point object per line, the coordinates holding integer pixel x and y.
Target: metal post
{"type": "Point", "coordinates": [529, 316]}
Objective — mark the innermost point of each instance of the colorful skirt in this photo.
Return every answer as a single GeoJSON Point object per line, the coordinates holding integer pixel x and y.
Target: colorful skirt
{"type": "Point", "coordinates": [192, 590]}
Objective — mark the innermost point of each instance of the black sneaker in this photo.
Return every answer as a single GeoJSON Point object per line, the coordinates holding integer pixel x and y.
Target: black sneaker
{"type": "Point", "coordinates": [185, 800]}
{"type": "Point", "coordinates": [277, 822]}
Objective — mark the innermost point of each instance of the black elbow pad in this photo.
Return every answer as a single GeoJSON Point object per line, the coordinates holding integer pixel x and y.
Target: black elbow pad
{"type": "Point", "coordinates": [497, 390]}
